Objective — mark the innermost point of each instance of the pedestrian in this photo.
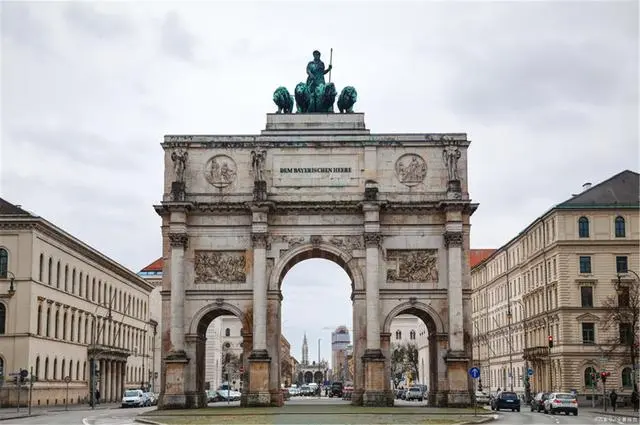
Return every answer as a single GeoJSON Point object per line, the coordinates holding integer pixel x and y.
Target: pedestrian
{"type": "Point", "coordinates": [635, 400]}
{"type": "Point", "coordinates": [613, 396]}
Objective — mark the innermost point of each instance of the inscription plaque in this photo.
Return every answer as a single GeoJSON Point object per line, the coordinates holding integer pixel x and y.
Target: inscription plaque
{"type": "Point", "coordinates": [321, 170]}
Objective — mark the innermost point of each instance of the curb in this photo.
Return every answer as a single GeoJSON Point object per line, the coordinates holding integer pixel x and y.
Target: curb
{"type": "Point", "coordinates": [9, 418]}
{"type": "Point", "coordinates": [481, 421]}
{"type": "Point", "coordinates": [146, 421]}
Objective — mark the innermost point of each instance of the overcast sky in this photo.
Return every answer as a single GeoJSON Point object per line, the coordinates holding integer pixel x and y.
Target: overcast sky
{"type": "Point", "coordinates": [547, 92]}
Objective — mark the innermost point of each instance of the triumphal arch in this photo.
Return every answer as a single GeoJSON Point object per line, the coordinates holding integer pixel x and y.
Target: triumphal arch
{"type": "Point", "coordinates": [239, 211]}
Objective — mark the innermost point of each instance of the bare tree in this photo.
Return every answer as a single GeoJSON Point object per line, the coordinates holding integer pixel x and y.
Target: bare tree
{"type": "Point", "coordinates": [397, 364]}
{"type": "Point", "coordinates": [411, 360]}
{"type": "Point", "coordinates": [286, 370]}
{"type": "Point", "coordinates": [621, 322]}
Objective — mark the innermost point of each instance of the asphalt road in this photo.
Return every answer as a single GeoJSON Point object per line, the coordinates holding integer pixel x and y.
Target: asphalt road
{"type": "Point", "coordinates": [525, 417]}
{"type": "Point", "coordinates": [116, 416]}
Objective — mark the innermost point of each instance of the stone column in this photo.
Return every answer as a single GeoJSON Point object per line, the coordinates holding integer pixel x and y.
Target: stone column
{"type": "Point", "coordinates": [178, 245]}
{"type": "Point", "coordinates": [385, 344]}
{"type": "Point", "coordinates": [259, 360]}
{"type": "Point", "coordinates": [374, 387]}
{"type": "Point", "coordinates": [359, 345]}
{"type": "Point", "coordinates": [457, 359]}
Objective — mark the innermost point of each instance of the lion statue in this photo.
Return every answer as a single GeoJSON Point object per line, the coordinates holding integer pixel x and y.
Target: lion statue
{"type": "Point", "coordinates": [283, 100]}
{"type": "Point", "coordinates": [303, 99]}
{"type": "Point", "coordinates": [348, 97]}
{"type": "Point", "coordinates": [326, 98]}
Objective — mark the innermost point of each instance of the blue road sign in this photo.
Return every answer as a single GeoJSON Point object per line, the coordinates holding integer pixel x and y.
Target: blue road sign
{"type": "Point", "coordinates": [474, 372]}
{"type": "Point", "coordinates": [530, 372]}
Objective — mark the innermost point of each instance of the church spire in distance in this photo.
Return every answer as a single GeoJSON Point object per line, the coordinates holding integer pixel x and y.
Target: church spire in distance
{"type": "Point", "coordinates": [305, 350]}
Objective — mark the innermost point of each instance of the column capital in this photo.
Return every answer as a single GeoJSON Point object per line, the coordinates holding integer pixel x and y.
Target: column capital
{"type": "Point", "coordinates": [259, 240]}
{"type": "Point", "coordinates": [372, 239]}
{"type": "Point", "coordinates": [178, 239]}
{"type": "Point", "coordinates": [453, 239]}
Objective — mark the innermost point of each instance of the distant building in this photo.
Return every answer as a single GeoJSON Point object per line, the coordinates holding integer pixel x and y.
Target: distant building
{"type": "Point", "coordinates": [407, 330]}
{"type": "Point", "coordinates": [340, 340]}
{"type": "Point", "coordinates": [62, 304]}
{"type": "Point", "coordinates": [305, 351]}
{"type": "Point", "coordinates": [552, 282]}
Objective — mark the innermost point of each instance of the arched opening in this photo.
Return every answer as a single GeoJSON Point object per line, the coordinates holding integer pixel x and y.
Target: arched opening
{"type": "Point", "coordinates": [222, 350]}
{"type": "Point", "coordinates": [414, 352]}
{"type": "Point", "coordinates": [316, 331]}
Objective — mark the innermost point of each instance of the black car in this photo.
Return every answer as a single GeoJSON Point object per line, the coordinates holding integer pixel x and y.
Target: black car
{"type": "Point", "coordinates": [506, 400]}
{"type": "Point", "coordinates": [336, 389]}
{"type": "Point", "coordinates": [537, 404]}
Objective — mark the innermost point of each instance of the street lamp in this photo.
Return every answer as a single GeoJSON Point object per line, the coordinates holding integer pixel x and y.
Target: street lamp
{"type": "Point", "coordinates": [12, 279]}
{"type": "Point", "coordinates": [509, 315]}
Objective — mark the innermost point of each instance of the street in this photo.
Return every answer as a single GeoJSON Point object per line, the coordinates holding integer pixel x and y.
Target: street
{"type": "Point", "coordinates": [118, 416]}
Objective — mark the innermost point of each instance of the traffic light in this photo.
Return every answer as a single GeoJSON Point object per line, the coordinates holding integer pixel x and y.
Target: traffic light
{"type": "Point", "coordinates": [604, 376]}
{"type": "Point", "coordinates": [550, 341]}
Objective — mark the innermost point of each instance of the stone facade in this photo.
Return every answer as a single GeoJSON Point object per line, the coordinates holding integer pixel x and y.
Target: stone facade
{"type": "Point", "coordinates": [69, 304]}
{"type": "Point", "coordinates": [391, 209]}
{"type": "Point", "coordinates": [555, 278]}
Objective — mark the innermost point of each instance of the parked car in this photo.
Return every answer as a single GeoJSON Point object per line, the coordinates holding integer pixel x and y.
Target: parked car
{"type": "Point", "coordinates": [336, 389]}
{"type": "Point", "coordinates": [506, 400]}
{"type": "Point", "coordinates": [134, 398]}
{"type": "Point", "coordinates": [400, 393]}
{"type": "Point", "coordinates": [482, 398]}
{"type": "Point", "coordinates": [561, 402]}
{"type": "Point", "coordinates": [537, 403]}
{"type": "Point", "coordinates": [414, 393]}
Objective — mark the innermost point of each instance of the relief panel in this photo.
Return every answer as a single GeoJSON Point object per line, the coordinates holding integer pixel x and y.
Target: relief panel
{"type": "Point", "coordinates": [220, 267]}
{"type": "Point", "coordinates": [412, 266]}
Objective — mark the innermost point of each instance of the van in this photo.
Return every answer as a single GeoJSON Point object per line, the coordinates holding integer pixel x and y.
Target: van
{"type": "Point", "coordinates": [134, 398]}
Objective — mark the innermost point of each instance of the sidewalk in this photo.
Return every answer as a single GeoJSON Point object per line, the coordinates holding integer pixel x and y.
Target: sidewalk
{"type": "Point", "coordinates": [8, 413]}
{"type": "Point", "coordinates": [625, 412]}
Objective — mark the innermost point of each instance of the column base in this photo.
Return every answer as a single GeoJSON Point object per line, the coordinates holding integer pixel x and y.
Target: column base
{"type": "Point", "coordinates": [459, 394]}
{"type": "Point", "coordinates": [356, 397]}
{"type": "Point", "coordinates": [454, 189]}
{"type": "Point", "coordinates": [259, 394]}
{"type": "Point", "coordinates": [277, 399]}
{"type": "Point", "coordinates": [374, 394]}
{"type": "Point", "coordinates": [459, 399]}
{"type": "Point", "coordinates": [190, 400]}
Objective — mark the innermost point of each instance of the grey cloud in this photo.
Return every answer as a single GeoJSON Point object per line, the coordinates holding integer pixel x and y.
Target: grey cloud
{"type": "Point", "coordinates": [85, 17]}
{"type": "Point", "coordinates": [19, 23]}
{"type": "Point", "coordinates": [176, 40]}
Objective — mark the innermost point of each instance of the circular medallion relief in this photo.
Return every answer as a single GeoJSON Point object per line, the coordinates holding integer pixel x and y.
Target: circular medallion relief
{"type": "Point", "coordinates": [411, 169]}
{"type": "Point", "coordinates": [220, 171]}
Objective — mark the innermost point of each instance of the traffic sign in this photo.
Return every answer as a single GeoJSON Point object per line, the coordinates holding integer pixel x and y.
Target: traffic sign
{"type": "Point", "coordinates": [67, 379]}
{"type": "Point", "coordinates": [530, 372]}
{"type": "Point", "coordinates": [474, 372]}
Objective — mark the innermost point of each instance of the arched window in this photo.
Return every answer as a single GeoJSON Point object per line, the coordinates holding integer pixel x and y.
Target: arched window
{"type": "Point", "coordinates": [398, 334]}
{"type": "Point", "coordinates": [66, 278]}
{"type": "Point", "coordinates": [84, 371]}
{"type": "Point", "coordinates": [41, 268]}
{"type": "Point", "coordinates": [93, 289]}
{"type": "Point", "coordinates": [73, 281]}
{"type": "Point", "coordinates": [46, 368]}
{"type": "Point", "coordinates": [620, 227]}
{"type": "Point", "coordinates": [3, 317]}
{"type": "Point", "coordinates": [72, 328]}
{"type": "Point", "coordinates": [58, 275]}
{"type": "Point", "coordinates": [48, 323]}
{"type": "Point", "coordinates": [39, 321]}
{"type": "Point", "coordinates": [78, 371]}
{"type": "Point", "coordinates": [57, 325]}
{"type": "Point", "coordinates": [55, 369]}
{"type": "Point", "coordinates": [412, 334]}
{"type": "Point", "coordinates": [50, 270]}
{"type": "Point", "coordinates": [38, 367]}
{"type": "Point", "coordinates": [1, 367]}
{"type": "Point", "coordinates": [627, 377]}
{"type": "Point", "coordinates": [64, 327]}
{"type": "Point", "coordinates": [227, 332]}
{"type": "Point", "coordinates": [583, 227]}
{"type": "Point", "coordinates": [63, 370]}
{"type": "Point", "coordinates": [4, 263]}
{"type": "Point", "coordinates": [590, 377]}
{"type": "Point", "coordinates": [80, 291]}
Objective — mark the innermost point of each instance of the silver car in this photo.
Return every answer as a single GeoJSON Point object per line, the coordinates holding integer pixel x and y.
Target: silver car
{"type": "Point", "coordinates": [415, 393]}
{"type": "Point", "coordinates": [561, 402]}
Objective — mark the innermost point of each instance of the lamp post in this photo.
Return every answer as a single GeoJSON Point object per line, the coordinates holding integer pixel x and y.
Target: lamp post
{"type": "Point", "coordinates": [319, 367]}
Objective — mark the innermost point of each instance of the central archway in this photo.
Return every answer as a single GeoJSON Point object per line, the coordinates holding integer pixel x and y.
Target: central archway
{"type": "Point", "coordinates": [352, 267]}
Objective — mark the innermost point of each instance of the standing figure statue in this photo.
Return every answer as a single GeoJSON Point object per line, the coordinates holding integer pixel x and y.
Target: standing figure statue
{"type": "Point", "coordinates": [451, 155]}
{"type": "Point", "coordinates": [316, 72]}
{"type": "Point", "coordinates": [179, 159]}
{"type": "Point", "coordinates": [257, 164]}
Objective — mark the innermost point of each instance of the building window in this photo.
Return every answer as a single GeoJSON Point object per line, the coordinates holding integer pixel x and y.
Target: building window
{"type": "Point", "coordinates": [585, 264]}
{"type": "Point", "coordinates": [412, 334]}
{"type": "Point", "coordinates": [588, 333]}
{"type": "Point", "coordinates": [55, 369]}
{"type": "Point", "coordinates": [58, 275]}
{"type": "Point", "coordinates": [38, 367]}
{"type": "Point", "coordinates": [590, 377]}
{"type": "Point", "coordinates": [39, 321]}
{"type": "Point", "coordinates": [41, 268]}
{"type": "Point", "coordinates": [627, 377]}
{"type": "Point", "coordinates": [3, 317]}
{"type": "Point", "coordinates": [56, 324]}
{"type": "Point", "coordinates": [620, 227]}
{"type": "Point", "coordinates": [49, 270]}
{"type": "Point", "coordinates": [227, 332]}
{"type": "Point", "coordinates": [48, 323]}
{"type": "Point", "coordinates": [66, 278]}
{"type": "Point", "coordinates": [398, 335]}
{"type": "Point", "coordinates": [583, 227]}
{"type": "Point", "coordinates": [621, 264]}
{"type": "Point", "coordinates": [586, 296]}
{"type": "Point", "coordinates": [626, 333]}
{"type": "Point", "coordinates": [46, 368]}
{"type": "Point", "coordinates": [4, 263]}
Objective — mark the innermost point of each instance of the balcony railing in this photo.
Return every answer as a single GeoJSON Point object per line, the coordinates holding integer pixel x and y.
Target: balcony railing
{"type": "Point", "coordinates": [533, 353]}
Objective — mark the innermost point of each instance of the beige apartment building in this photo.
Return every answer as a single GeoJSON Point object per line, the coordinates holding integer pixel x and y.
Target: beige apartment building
{"type": "Point", "coordinates": [556, 280]}
{"type": "Point", "coordinates": [62, 304]}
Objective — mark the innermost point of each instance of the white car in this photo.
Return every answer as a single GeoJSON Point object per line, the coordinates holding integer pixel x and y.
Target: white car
{"type": "Point", "coordinates": [134, 398]}
{"type": "Point", "coordinates": [414, 393]}
{"type": "Point", "coordinates": [561, 402]}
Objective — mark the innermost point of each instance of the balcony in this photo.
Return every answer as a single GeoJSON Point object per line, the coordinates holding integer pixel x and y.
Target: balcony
{"type": "Point", "coordinates": [536, 353]}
